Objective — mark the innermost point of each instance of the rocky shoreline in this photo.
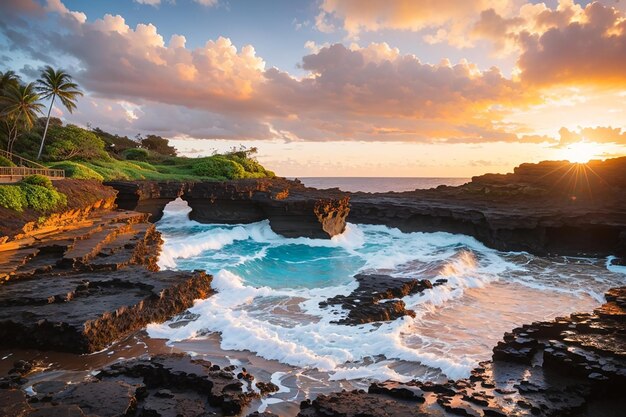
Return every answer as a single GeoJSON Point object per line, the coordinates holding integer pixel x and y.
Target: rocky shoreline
{"type": "Point", "coordinates": [571, 366]}
{"type": "Point", "coordinates": [80, 280]}
{"type": "Point", "coordinates": [550, 208]}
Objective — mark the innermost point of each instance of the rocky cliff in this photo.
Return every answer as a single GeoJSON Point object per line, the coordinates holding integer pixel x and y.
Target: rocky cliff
{"type": "Point", "coordinates": [292, 209]}
{"type": "Point", "coordinates": [84, 198]}
{"type": "Point", "coordinates": [546, 208]}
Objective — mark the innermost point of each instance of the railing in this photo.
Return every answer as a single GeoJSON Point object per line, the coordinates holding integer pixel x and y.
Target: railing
{"type": "Point", "coordinates": [22, 162]}
{"type": "Point", "coordinates": [26, 167]}
{"type": "Point", "coordinates": [20, 172]}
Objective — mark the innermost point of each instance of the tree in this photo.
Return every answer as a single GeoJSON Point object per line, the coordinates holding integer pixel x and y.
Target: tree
{"type": "Point", "coordinates": [57, 83]}
{"type": "Point", "coordinates": [158, 144]}
{"type": "Point", "coordinates": [21, 104]}
{"type": "Point", "coordinates": [72, 142]}
{"type": "Point", "coordinates": [7, 79]}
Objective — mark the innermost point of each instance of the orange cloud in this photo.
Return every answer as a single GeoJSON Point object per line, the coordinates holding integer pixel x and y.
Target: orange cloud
{"type": "Point", "coordinates": [363, 93]}
{"type": "Point", "coordinates": [449, 18]}
{"type": "Point", "coordinates": [592, 51]}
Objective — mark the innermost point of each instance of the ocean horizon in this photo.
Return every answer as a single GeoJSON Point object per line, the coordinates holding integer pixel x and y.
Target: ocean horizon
{"type": "Point", "coordinates": [380, 184]}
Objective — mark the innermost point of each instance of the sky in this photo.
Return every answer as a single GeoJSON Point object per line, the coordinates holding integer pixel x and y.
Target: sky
{"type": "Point", "coordinates": [442, 88]}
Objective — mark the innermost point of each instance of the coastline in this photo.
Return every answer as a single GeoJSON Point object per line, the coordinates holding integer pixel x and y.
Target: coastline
{"type": "Point", "coordinates": [469, 209]}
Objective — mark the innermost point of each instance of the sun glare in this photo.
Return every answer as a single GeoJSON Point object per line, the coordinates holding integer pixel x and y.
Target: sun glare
{"type": "Point", "coordinates": [581, 152]}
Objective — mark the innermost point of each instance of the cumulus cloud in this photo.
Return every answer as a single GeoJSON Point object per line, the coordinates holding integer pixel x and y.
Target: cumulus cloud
{"type": "Point", "coordinates": [120, 61]}
{"type": "Point", "coordinates": [58, 7]}
{"type": "Point", "coordinates": [348, 92]}
{"type": "Point", "coordinates": [589, 51]}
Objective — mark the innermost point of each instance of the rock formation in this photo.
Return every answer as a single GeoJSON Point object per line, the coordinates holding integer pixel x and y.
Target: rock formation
{"type": "Point", "coordinates": [87, 285]}
{"type": "Point", "coordinates": [162, 386]}
{"type": "Point", "coordinates": [292, 209]}
{"type": "Point", "coordinates": [377, 298]}
{"type": "Point", "coordinates": [546, 208]}
{"type": "Point", "coordinates": [572, 366]}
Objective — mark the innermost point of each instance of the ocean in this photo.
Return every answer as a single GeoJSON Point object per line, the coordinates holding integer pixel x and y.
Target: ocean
{"type": "Point", "coordinates": [380, 184]}
{"type": "Point", "coordinates": [266, 312]}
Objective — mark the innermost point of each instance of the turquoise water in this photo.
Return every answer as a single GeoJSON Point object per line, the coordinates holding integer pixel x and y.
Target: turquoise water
{"type": "Point", "coordinates": [269, 290]}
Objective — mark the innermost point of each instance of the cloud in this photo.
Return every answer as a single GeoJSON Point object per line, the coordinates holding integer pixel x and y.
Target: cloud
{"type": "Point", "coordinates": [58, 7]}
{"type": "Point", "coordinates": [149, 2]}
{"type": "Point", "coordinates": [446, 20]}
{"type": "Point", "coordinates": [207, 3]}
{"type": "Point", "coordinates": [592, 134]}
{"type": "Point", "coordinates": [120, 61]}
{"type": "Point", "coordinates": [146, 83]}
{"type": "Point", "coordinates": [590, 51]}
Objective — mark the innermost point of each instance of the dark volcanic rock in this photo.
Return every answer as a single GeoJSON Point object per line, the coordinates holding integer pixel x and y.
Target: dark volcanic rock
{"type": "Point", "coordinates": [574, 366]}
{"type": "Point", "coordinates": [84, 312]}
{"type": "Point", "coordinates": [359, 404]}
{"type": "Point", "coordinates": [146, 196]}
{"type": "Point", "coordinates": [83, 287]}
{"type": "Point", "coordinates": [376, 298]}
{"type": "Point", "coordinates": [163, 386]}
{"type": "Point", "coordinates": [292, 209]}
{"type": "Point", "coordinates": [546, 208]}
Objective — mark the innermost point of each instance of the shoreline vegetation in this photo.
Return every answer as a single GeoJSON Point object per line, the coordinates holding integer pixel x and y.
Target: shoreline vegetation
{"type": "Point", "coordinates": [92, 154]}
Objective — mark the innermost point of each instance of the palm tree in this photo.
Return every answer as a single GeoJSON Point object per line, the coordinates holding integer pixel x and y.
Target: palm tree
{"type": "Point", "coordinates": [7, 79]}
{"type": "Point", "coordinates": [57, 83]}
{"type": "Point", "coordinates": [21, 104]}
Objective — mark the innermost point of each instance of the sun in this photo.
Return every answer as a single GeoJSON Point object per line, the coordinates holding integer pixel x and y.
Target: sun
{"type": "Point", "coordinates": [581, 152]}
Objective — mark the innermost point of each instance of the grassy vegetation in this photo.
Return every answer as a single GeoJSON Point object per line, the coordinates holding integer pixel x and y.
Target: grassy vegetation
{"type": "Point", "coordinates": [35, 192]}
{"type": "Point", "coordinates": [96, 154]}
{"type": "Point", "coordinates": [4, 162]}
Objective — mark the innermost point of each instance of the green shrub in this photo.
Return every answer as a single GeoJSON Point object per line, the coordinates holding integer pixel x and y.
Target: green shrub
{"type": "Point", "coordinates": [4, 162]}
{"type": "Point", "coordinates": [43, 199]}
{"type": "Point", "coordinates": [73, 142]}
{"type": "Point", "coordinates": [218, 167]}
{"type": "Point", "coordinates": [39, 180]}
{"type": "Point", "coordinates": [135, 154]}
{"type": "Point", "coordinates": [12, 197]}
{"type": "Point", "coordinates": [77, 171]}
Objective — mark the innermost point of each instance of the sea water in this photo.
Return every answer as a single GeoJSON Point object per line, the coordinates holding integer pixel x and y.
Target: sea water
{"type": "Point", "coordinates": [269, 289]}
{"type": "Point", "coordinates": [380, 184]}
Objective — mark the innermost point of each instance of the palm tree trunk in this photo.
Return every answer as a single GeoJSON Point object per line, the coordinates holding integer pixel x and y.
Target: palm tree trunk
{"type": "Point", "coordinates": [45, 131]}
{"type": "Point", "coordinates": [12, 137]}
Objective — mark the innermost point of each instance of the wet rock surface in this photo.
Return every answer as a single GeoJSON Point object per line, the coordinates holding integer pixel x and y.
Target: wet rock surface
{"type": "Point", "coordinates": [162, 386]}
{"type": "Point", "coordinates": [573, 366]}
{"type": "Point", "coordinates": [79, 290]}
{"type": "Point", "coordinates": [377, 298]}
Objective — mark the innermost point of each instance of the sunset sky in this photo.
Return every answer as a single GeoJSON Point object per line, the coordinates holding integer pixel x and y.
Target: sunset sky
{"type": "Point", "coordinates": [341, 87]}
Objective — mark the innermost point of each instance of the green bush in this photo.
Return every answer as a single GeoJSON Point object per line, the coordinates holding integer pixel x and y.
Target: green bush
{"type": "Point", "coordinates": [77, 171]}
{"type": "Point", "coordinates": [39, 180]}
{"type": "Point", "coordinates": [42, 198]}
{"type": "Point", "coordinates": [12, 197]}
{"type": "Point", "coordinates": [218, 167]}
{"type": "Point", "coordinates": [73, 142]}
{"type": "Point", "coordinates": [4, 162]}
{"type": "Point", "coordinates": [135, 154]}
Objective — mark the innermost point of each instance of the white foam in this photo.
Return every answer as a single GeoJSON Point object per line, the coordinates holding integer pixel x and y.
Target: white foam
{"type": "Point", "coordinates": [310, 338]}
{"type": "Point", "coordinates": [619, 269]}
